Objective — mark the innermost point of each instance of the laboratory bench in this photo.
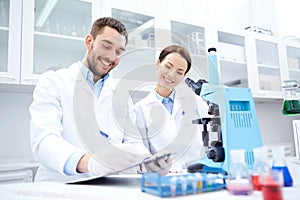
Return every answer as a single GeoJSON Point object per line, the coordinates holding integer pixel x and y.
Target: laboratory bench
{"type": "Point", "coordinates": [127, 187]}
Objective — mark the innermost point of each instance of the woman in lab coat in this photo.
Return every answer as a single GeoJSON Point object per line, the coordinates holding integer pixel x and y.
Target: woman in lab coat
{"type": "Point", "coordinates": [160, 115]}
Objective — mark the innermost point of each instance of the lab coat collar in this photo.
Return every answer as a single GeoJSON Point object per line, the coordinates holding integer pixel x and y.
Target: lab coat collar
{"type": "Point", "coordinates": [108, 86]}
{"type": "Point", "coordinates": [153, 99]}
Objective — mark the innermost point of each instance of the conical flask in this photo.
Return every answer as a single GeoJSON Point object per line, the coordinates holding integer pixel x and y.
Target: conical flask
{"type": "Point", "coordinates": [291, 101]}
{"type": "Point", "coordinates": [280, 164]}
{"type": "Point", "coordinates": [260, 168]}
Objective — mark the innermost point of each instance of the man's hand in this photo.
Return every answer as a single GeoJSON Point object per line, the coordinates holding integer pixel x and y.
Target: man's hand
{"type": "Point", "coordinates": [95, 168]}
{"type": "Point", "coordinates": [121, 157]}
{"type": "Point", "coordinates": [160, 163]}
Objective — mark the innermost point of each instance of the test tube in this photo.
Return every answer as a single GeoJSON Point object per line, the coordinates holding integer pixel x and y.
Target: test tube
{"type": "Point", "coordinates": [199, 181]}
{"type": "Point", "coordinates": [209, 180]}
{"type": "Point", "coordinates": [183, 182]}
{"type": "Point", "coordinates": [173, 186]}
{"type": "Point", "coordinates": [193, 182]}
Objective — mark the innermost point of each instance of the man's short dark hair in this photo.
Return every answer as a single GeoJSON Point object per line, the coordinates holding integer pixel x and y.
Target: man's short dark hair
{"type": "Point", "coordinates": [100, 23]}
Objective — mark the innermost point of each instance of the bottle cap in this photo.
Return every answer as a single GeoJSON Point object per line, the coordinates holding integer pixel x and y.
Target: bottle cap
{"type": "Point", "coordinates": [212, 49]}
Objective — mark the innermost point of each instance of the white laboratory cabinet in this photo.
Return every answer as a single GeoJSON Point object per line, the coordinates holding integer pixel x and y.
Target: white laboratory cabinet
{"type": "Point", "coordinates": [246, 59]}
{"type": "Point", "coordinates": [10, 41]}
{"type": "Point", "coordinates": [51, 36]}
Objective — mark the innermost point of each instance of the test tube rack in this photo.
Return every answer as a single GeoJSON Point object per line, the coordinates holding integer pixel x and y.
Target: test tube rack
{"type": "Point", "coordinates": [180, 185]}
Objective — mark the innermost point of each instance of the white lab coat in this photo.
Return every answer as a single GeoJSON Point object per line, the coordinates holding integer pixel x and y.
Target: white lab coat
{"type": "Point", "coordinates": [54, 136]}
{"type": "Point", "coordinates": [163, 129]}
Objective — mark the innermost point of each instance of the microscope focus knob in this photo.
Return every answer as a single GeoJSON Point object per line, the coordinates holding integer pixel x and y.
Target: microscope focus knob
{"type": "Point", "coordinates": [217, 154]}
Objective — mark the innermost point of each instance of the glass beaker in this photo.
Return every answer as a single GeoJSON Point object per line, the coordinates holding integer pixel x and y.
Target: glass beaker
{"type": "Point", "coordinates": [260, 168]}
{"type": "Point", "coordinates": [271, 185]}
{"type": "Point", "coordinates": [291, 104]}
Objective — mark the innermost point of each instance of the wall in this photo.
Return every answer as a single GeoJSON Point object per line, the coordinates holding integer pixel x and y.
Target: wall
{"type": "Point", "coordinates": [275, 127]}
{"type": "Point", "coordinates": [14, 127]}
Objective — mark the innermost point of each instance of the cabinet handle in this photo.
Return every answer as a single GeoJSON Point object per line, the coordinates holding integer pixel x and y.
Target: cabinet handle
{"type": "Point", "coordinates": [261, 94]}
{"type": "Point", "coordinates": [31, 79]}
{"type": "Point", "coordinates": [7, 77]}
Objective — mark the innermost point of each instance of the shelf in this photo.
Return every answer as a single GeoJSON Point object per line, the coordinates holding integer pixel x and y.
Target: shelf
{"type": "Point", "coordinates": [60, 43]}
{"type": "Point", "coordinates": [16, 88]}
{"type": "Point", "coordinates": [268, 70]}
{"type": "Point", "coordinates": [4, 28]}
{"type": "Point", "coordinates": [234, 62]}
{"type": "Point", "coordinates": [53, 35]}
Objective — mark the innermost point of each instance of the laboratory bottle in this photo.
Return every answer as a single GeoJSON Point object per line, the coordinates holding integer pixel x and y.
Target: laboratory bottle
{"type": "Point", "coordinates": [291, 104]}
{"type": "Point", "coordinates": [239, 182]}
{"type": "Point", "coordinates": [279, 163]}
{"type": "Point", "coordinates": [260, 167]}
{"type": "Point", "coordinates": [214, 75]}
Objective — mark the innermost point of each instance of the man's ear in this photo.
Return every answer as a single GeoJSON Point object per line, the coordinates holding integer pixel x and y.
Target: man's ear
{"type": "Point", "coordinates": [88, 41]}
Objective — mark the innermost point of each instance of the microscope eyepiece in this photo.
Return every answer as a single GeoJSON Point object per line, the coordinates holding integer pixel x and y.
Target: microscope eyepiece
{"type": "Point", "coordinates": [196, 86]}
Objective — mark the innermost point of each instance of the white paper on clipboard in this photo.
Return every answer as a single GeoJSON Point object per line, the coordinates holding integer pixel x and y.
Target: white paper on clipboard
{"type": "Point", "coordinates": [296, 129]}
{"type": "Point", "coordinates": [81, 180]}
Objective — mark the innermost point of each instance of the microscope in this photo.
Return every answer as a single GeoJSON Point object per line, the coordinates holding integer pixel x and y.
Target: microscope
{"type": "Point", "coordinates": [232, 124]}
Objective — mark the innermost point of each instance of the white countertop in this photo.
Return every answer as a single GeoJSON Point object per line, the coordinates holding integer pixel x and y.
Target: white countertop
{"type": "Point", "coordinates": [126, 187]}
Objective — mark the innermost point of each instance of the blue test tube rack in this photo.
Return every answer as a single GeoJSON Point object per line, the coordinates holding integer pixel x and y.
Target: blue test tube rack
{"type": "Point", "coordinates": [163, 186]}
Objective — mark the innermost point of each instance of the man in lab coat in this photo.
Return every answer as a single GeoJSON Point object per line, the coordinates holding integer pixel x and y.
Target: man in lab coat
{"type": "Point", "coordinates": [73, 132]}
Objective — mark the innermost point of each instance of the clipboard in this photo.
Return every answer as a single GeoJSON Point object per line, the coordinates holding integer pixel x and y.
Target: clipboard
{"type": "Point", "coordinates": [86, 180]}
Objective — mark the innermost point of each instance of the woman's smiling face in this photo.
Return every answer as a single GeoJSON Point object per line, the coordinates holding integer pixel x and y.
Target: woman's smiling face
{"type": "Point", "coordinates": [171, 70]}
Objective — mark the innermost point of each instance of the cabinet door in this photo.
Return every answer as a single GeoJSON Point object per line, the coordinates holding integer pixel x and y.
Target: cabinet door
{"type": "Point", "coordinates": [265, 66]}
{"type": "Point", "coordinates": [10, 39]}
{"type": "Point", "coordinates": [53, 35]}
{"type": "Point", "coordinates": [232, 58]}
{"type": "Point", "coordinates": [192, 37]}
{"type": "Point", "coordinates": [268, 65]}
{"type": "Point", "coordinates": [137, 62]}
{"type": "Point", "coordinates": [293, 61]}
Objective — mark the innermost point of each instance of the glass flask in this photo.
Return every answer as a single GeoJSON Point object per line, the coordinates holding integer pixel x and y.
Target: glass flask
{"type": "Point", "coordinates": [239, 181]}
{"type": "Point", "coordinates": [271, 185]}
{"type": "Point", "coordinates": [261, 166]}
{"type": "Point", "coordinates": [280, 164]}
{"type": "Point", "coordinates": [291, 104]}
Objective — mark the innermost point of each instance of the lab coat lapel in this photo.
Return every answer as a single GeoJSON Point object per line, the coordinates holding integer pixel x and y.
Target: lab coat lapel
{"type": "Point", "coordinates": [107, 87]}
{"type": "Point", "coordinates": [80, 80]}
{"type": "Point", "coordinates": [162, 129]}
{"type": "Point", "coordinates": [107, 90]}
{"type": "Point", "coordinates": [176, 107]}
